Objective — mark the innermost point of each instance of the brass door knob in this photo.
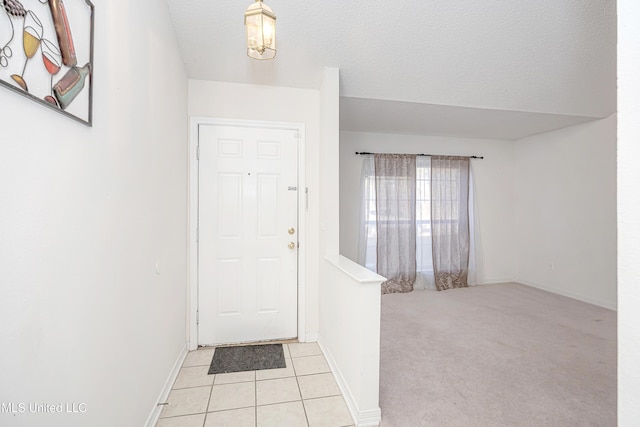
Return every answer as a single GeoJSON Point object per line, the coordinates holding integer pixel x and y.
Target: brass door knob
{"type": "Point", "coordinates": [292, 245]}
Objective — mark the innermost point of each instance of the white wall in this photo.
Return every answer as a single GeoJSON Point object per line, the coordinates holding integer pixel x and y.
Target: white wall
{"type": "Point", "coordinates": [349, 295]}
{"type": "Point", "coordinates": [566, 211]}
{"type": "Point", "coordinates": [252, 102]}
{"type": "Point", "coordinates": [492, 176]}
{"type": "Point", "coordinates": [86, 213]}
{"type": "Point", "coordinates": [329, 161]}
{"type": "Point", "coordinates": [628, 213]}
{"type": "Point", "coordinates": [350, 298]}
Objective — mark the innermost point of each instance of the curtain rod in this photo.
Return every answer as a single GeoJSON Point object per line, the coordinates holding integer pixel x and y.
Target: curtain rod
{"type": "Point", "coordinates": [471, 157]}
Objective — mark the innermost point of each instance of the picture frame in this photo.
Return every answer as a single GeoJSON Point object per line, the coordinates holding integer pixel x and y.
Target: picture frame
{"type": "Point", "coordinates": [46, 54]}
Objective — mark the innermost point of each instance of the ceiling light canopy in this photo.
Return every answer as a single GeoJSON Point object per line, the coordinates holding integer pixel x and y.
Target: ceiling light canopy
{"type": "Point", "coordinates": [260, 22]}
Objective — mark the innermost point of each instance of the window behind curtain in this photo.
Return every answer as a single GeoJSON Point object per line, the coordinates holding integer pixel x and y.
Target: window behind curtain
{"type": "Point", "coordinates": [368, 238]}
{"type": "Point", "coordinates": [424, 258]}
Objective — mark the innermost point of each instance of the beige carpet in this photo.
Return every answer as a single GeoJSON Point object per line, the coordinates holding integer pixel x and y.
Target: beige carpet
{"type": "Point", "coordinates": [496, 355]}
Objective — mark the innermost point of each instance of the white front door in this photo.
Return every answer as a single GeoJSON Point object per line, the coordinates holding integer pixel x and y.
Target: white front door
{"type": "Point", "coordinates": [248, 234]}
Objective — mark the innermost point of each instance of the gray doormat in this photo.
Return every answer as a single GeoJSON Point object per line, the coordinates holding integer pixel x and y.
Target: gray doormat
{"type": "Point", "coordinates": [247, 358]}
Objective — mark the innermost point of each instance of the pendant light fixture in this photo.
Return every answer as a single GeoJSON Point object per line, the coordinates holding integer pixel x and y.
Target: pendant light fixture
{"type": "Point", "coordinates": [260, 22]}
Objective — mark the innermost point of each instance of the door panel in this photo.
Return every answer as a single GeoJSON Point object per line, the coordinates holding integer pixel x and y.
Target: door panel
{"type": "Point", "coordinates": [229, 295]}
{"type": "Point", "coordinates": [268, 206]}
{"type": "Point", "coordinates": [230, 198]}
{"type": "Point", "coordinates": [247, 274]}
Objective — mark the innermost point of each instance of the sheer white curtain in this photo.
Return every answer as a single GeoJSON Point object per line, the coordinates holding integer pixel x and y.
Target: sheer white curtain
{"type": "Point", "coordinates": [425, 278]}
{"type": "Point", "coordinates": [368, 236]}
{"type": "Point", "coordinates": [424, 246]}
{"type": "Point", "coordinates": [476, 260]}
{"type": "Point", "coordinates": [367, 253]}
{"type": "Point", "coordinates": [396, 221]}
{"type": "Point", "coordinates": [450, 229]}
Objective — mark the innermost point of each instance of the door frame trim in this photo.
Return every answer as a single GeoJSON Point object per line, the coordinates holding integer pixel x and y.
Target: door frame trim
{"type": "Point", "coordinates": [192, 243]}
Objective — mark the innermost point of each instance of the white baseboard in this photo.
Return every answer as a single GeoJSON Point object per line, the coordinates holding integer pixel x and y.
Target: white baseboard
{"type": "Point", "coordinates": [583, 298]}
{"type": "Point", "coordinates": [495, 281]}
{"type": "Point", "coordinates": [369, 418]}
{"type": "Point", "coordinates": [164, 394]}
{"type": "Point", "coordinates": [310, 337]}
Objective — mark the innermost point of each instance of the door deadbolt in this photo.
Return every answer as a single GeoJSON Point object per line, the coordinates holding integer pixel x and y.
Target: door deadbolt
{"type": "Point", "coordinates": [292, 230]}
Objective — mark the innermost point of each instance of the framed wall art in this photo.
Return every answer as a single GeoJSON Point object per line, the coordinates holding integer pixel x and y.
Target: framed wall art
{"type": "Point", "coordinates": [46, 53]}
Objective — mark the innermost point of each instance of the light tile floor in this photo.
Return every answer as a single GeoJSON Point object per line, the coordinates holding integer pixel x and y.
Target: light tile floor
{"type": "Point", "coordinates": [302, 394]}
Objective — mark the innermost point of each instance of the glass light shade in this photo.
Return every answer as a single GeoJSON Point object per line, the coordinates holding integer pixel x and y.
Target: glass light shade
{"type": "Point", "coordinates": [260, 22]}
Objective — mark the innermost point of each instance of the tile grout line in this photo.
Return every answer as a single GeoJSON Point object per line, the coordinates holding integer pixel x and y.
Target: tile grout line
{"type": "Point", "coordinates": [194, 386]}
{"type": "Point", "coordinates": [279, 403]}
{"type": "Point", "coordinates": [180, 416]}
{"type": "Point", "coordinates": [324, 397]}
{"type": "Point", "coordinates": [206, 412]}
{"type": "Point", "coordinates": [304, 408]}
{"type": "Point", "coordinates": [204, 423]}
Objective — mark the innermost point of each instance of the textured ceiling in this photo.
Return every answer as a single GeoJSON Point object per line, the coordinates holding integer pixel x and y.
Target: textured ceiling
{"type": "Point", "coordinates": [542, 56]}
{"type": "Point", "coordinates": [372, 115]}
